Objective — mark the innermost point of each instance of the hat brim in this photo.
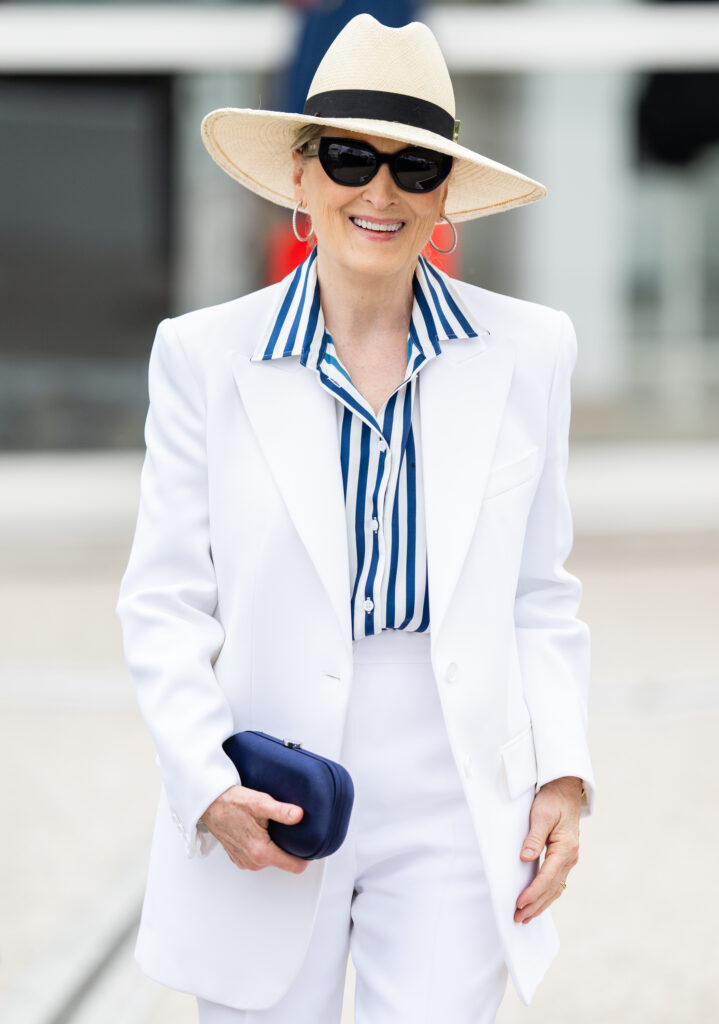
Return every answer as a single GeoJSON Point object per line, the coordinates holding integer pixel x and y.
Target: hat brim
{"type": "Point", "coordinates": [254, 146]}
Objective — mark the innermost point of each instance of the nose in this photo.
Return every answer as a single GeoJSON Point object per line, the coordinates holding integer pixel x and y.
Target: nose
{"type": "Point", "coordinates": [381, 191]}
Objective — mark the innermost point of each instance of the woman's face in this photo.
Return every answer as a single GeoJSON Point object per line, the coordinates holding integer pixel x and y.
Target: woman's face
{"type": "Point", "coordinates": [335, 210]}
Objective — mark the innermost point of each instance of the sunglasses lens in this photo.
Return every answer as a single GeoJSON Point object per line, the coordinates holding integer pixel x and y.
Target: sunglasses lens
{"type": "Point", "coordinates": [351, 163]}
{"type": "Point", "coordinates": [348, 163]}
{"type": "Point", "coordinates": [420, 170]}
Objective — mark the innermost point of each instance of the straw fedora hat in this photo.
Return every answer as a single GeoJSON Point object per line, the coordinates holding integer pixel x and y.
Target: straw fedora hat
{"type": "Point", "coordinates": [373, 80]}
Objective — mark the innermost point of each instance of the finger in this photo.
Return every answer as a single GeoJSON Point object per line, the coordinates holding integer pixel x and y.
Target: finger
{"type": "Point", "coordinates": [243, 862]}
{"type": "Point", "coordinates": [535, 906]}
{"type": "Point", "coordinates": [274, 856]}
{"type": "Point", "coordinates": [528, 903]}
{"type": "Point", "coordinates": [546, 883]}
{"type": "Point", "coordinates": [529, 913]}
{"type": "Point", "coordinates": [259, 859]}
{"type": "Point", "coordinates": [253, 855]}
{"type": "Point", "coordinates": [529, 910]}
{"type": "Point", "coordinates": [554, 867]}
{"type": "Point", "coordinates": [288, 814]}
{"type": "Point", "coordinates": [535, 890]}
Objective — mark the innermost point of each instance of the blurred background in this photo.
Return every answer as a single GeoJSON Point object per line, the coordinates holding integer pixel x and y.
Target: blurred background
{"type": "Point", "coordinates": [113, 216]}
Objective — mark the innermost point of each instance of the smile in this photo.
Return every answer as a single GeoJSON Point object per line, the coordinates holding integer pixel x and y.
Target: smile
{"type": "Point", "coordinates": [391, 227]}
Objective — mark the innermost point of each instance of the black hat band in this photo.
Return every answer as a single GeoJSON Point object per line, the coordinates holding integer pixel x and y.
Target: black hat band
{"type": "Point", "coordinates": [372, 104]}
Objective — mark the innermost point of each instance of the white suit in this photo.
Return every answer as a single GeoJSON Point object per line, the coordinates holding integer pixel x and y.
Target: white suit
{"type": "Point", "coordinates": [235, 614]}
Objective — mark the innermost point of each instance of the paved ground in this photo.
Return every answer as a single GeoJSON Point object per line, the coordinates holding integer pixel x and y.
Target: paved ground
{"type": "Point", "coordinates": [638, 942]}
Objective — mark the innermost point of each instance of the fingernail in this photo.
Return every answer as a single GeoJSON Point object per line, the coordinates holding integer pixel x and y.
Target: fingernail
{"type": "Point", "coordinates": [527, 851]}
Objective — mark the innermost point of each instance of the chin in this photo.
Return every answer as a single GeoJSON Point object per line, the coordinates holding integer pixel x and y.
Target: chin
{"type": "Point", "coordinates": [379, 260]}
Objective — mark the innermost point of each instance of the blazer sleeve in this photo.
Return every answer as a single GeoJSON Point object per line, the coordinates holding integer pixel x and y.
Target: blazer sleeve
{"type": "Point", "coordinates": [168, 595]}
{"type": "Point", "coordinates": [553, 644]}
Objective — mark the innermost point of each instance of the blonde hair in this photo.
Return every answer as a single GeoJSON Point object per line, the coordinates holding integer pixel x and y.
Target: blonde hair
{"type": "Point", "coordinates": [307, 133]}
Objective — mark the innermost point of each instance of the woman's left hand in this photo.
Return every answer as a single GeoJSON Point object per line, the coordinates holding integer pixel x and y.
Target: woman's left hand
{"type": "Point", "coordinates": [554, 821]}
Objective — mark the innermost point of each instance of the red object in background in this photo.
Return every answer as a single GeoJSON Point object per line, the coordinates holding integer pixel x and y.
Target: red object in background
{"type": "Point", "coordinates": [442, 237]}
{"type": "Point", "coordinates": [284, 252]}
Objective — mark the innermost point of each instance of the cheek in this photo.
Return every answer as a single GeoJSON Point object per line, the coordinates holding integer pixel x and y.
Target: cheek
{"type": "Point", "coordinates": [323, 197]}
{"type": "Point", "coordinates": [327, 207]}
{"type": "Point", "coordinates": [327, 215]}
{"type": "Point", "coordinates": [424, 224]}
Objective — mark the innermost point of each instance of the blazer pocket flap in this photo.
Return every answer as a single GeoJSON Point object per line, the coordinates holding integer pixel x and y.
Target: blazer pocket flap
{"type": "Point", "coordinates": [520, 762]}
{"type": "Point", "coordinates": [512, 474]}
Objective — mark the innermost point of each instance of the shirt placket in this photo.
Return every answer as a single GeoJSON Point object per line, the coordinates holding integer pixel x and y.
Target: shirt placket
{"type": "Point", "coordinates": [373, 582]}
{"type": "Point", "coordinates": [417, 357]}
{"type": "Point", "coordinates": [388, 454]}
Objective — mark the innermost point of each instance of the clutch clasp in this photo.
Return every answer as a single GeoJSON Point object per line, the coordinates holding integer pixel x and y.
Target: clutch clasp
{"type": "Point", "coordinates": [291, 743]}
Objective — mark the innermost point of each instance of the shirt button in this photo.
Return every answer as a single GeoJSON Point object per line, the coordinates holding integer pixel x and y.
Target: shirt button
{"type": "Point", "coordinates": [368, 605]}
{"type": "Point", "coordinates": [452, 672]}
{"type": "Point", "coordinates": [382, 444]}
{"type": "Point", "coordinates": [467, 766]}
{"type": "Point", "coordinates": [375, 523]}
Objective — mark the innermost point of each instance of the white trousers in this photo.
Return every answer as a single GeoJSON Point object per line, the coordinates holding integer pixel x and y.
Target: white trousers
{"type": "Point", "coordinates": [406, 894]}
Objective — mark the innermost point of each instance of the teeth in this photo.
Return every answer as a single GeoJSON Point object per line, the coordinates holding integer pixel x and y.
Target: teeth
{"type": "Point", "coordinates": [371, 226]}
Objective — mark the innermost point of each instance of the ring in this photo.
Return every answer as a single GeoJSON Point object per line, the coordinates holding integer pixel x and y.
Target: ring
{"type": "Point", "coordinates": [563, 885]}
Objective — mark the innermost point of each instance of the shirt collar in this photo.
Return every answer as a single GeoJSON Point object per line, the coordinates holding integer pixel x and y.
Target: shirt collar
{"type": "Point", "coordinates": [298, 327]}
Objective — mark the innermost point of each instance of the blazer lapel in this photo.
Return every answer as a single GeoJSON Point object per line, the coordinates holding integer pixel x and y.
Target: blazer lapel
{"type": "Point", "coordinates": [295, 423]}
{"type": "Point", "coordinates": [463, 394]}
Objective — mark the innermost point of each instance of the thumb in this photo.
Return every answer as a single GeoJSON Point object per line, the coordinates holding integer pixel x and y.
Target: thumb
{"type": "Point", "coordinates": [534, 843]}
{"type": "Point", "coordinates": [288, 814]}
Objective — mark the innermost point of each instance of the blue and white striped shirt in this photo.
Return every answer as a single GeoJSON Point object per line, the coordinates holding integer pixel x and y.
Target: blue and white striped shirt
{"type": "Point", "coordinates": [380, 453]}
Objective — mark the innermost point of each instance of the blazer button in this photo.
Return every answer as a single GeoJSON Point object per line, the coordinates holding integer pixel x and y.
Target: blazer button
{"type": "Point", "coordinates": [452, 672]}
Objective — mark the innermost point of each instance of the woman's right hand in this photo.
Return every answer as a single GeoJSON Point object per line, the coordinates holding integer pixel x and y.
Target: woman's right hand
{"type": "Point", "coordinates": [238, 819]}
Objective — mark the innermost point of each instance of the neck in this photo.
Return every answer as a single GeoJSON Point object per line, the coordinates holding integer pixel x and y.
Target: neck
{"type": "Point", "coordinates": [361, 310]}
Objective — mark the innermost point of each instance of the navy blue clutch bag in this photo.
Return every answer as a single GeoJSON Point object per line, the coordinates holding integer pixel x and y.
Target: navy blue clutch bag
{"type": "Point", "coordinates": [321, 787]}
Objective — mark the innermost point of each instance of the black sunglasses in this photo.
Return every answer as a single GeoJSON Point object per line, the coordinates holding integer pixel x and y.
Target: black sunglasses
{"type": "Point", "coordinates": [354, 163]}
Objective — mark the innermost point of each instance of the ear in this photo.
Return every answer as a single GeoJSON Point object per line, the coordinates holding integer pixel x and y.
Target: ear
{"type": "Point", "coordinates": [297, 173]}
{"type": "Point", "coordinates": [445, 190]}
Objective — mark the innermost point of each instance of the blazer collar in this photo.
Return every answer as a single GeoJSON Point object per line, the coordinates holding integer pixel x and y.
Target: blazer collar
{"type": "Point", "coordinates": [297, 327]}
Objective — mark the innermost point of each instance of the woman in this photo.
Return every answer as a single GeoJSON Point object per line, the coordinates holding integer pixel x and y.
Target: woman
{"type": "Point", "coordinates": [352, 531]}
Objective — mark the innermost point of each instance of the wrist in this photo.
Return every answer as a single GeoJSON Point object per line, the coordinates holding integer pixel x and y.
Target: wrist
{"type": "Point", "coordinates": [568, 783]}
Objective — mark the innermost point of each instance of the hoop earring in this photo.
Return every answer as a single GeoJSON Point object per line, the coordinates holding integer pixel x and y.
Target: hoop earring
{"type": "Point", "coordinates": [299, 237]}
{"type": "Point", "coordinates": [446, 252]}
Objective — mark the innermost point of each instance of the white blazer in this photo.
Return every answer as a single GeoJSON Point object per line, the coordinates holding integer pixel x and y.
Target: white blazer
{"type": "Point", "coordinates": [235, 610]}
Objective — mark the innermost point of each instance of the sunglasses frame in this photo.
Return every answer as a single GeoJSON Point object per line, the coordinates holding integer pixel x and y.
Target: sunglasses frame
{"type": "Point", "coordinates": [318, 148]}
